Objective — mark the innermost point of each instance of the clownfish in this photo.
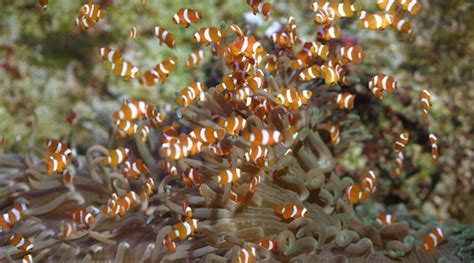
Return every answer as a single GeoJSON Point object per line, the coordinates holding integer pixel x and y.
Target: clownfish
{"type": "Point", "coordinates": [187, 16]}
{"type": "Point", "coordinates": [291, 211]}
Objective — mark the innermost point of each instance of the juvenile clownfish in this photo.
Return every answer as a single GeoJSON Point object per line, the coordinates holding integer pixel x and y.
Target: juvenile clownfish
{"type": "Point", "coordinates": [116, 156]}
{"type": "Point", "coordinates": [21, 243]}
{"type": "Point", "coordinates": [195, 58]}
{"type": "Point", "coordinates": [291, 211]}
{"type": "Point", "coordinates": [433, 239]}
{"type": "Point", "coordinates": [187, 16]}
{"type": "Point", "coordinates": [260, 6]}
{"type": "Point", "coordinates": [164, 36]}
{"type": "Point", "coordinates": [401, 143]}
{"type": "Point", "coordinates": [228, 176]}
{"type": "Point", "coordinates": [208, 35]}
{"type": "Point", "coordinates": [246, 254]}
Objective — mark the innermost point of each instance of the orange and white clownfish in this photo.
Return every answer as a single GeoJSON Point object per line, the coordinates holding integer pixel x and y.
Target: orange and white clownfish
{"type": "Point", "coordinates": [268, 244]}
{"type": "Point", "coordinates": [191, 176]}
{"type": "Point", "coordinates": [131, 110]}
{"type": "Point", "coordinates": [56, 162]}
{"type": "Point", "coordinates": [369, 181]}
{"type": "Point", "coordinates": [433, 239]}
{"type": "Point", "coordinates": [68, 230]}
{"type": "Point", "coordinates": [345, 100]}
{"type": "Point", "coordinates": [135, 169]}
{"type": "Point", "coordinates": [164, 36]}
{"type": "Point", "coordinates": [195, 58]}
{"type": "Point", "coordinates": [233, 125]}
{"type": "Point", "coordinates": [195, 91]}
{"type": "Point", "coordinates": [21, 243]}
{"type": "Point", "coordinates": [184, 229]}
{"type": "Point", "coordinates": [228, 176]}
{"type": "Point", "coordinates": [208, 35]}
{"type": "Point", "coordinates": [116, 156]}
{"type": "Point", "coordinates": [260, 6]}
{"type": "Point", "coordinates": [356, 195]}
{"type": "Point", "coordinates": [133, 32]}
{"type": "Point", "coordinates": [376, 21]}
{"type": "Point", "coordinates": [353, 54]}
{"type": "Point", "coordinates": [124, 69]}
{"type": "Point", "coordinates": [56, 146]}
{"type": "Point", "coordinates": [291, 211]}
{"type": "Point", "coordinates": [148, 189]}
{"type": "Point", "coordinates": [387, 219]}
{"type": "Point", "coordinates": [27, 259]}
{"type": "Point", "coordinates": [412, 6]}
{"type": "Point", "coordinates": [164, 69]}
{"type": "Point", "coordinates": [425, 98]}
{"type": "Point", "coordinates": [84, 22]}
{"type": "Point", "coordinates": [389, 6]}
{"type": "Point", "coordinates": [43, 4]}
{"type": "Point", "coordinates": [207, 135]}
{"type": "Point", "coordinates": [12, 216]}
{"type": "Point", "coordinates": [434, 147]}
{"type": "Point", "coordinates": [81, 216]}
{"type": "Point", "coordinates": [246, 254]}
{"type": "Point", "coordinates": [187, 16]}
{"type": "Point", "coordinates": [93, 11]}
{"type": "Point", "coordinates": [401, 143]}
{"type": "Point", "coordinates": [264, 137]}
{"type": "Point", "coordinates": [109, 54]}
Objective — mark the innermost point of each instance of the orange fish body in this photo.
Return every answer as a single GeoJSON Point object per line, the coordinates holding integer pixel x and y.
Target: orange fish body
{"type": "Point", "coordinates": [191, 176]}
{"type": "Point", "coordinates": [345, 100]}
{"type": "Point", "coordinates": [265, 137]}
{"type": "Point", "coordinates": [93, 11]}
{"type": "Point", "coordinates": [193, 92]}
{"type": "Point", "coordinates": [21, 243]}
{"type": "Point", "coordinates": [246, 255]}
{"type": "Point", "coordinates": [434, 147]}
{"type": "Point", "coordinates": [208, 35]}
{"type": "Point", "coordinates": [369, 182]}
{"type": "Point", "coordinates": [43, 4]}
{"type": "Point", "coordinates": [109, 54]}
{"type": "Point", "coordinates": [386, 219]}
{"type": "Point", "coordinates": [401, 143]}
{"type": "Point", "coordinates": [135, 169]}
{"type": "Point", "coordinates": [164, 36]}
{"type": "Point", "coordinates": [260, 6]}
{"type": "Point", "coordinates": [55, 146]}
{"type": "Point", "coordinates": [433, 239]}
{"type": "Point", "coordinates": [353, 54]}
{"type": "Point", "coordinates": [228, 176]}
{"type": "Point", "coordinates": [12, 216]}
{"type": "Point", "coordinates": [56, 163]}
{"type": "Point", "coordinates": [207, 135]}
{"type": "Point", "coordinates": [84, 22]}
{"type": "Point", "coordinates": [148, 189]}
{"type": "Point", "coordinates": [356, 195]}
{"type": "Point", "coordinates": [291, 211]}
{"type": "Point", "coordinates": [425, 98]}
{"type": "Point", "coordinates": [187, 16]}
{"type": "Point", "coordinates": [116, 156]}
{"type": "Point", "coordinates": [81, 216]}
{"type": "Point", "coordinates": [377, 21]}
{"type": "Point", "coordinates": [124, 69]}
{"type": "Point", "coordinates": [195, 58]}
{"type": "Point", "coordinates": [412, 6]}
{"type": "Point", "coordinates": [68, 230]}
{"type": "Point", "coordinates": [271, 245]}
{"type": "Point", "coordinates": [184, 230]}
